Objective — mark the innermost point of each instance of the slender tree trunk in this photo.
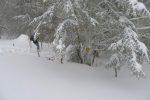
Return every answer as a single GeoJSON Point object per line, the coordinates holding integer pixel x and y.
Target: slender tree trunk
{"type": "Point", "coordinates": [79, 55]}
{"type": "Point", "coordinates": [41, 44]}
{"type": "Point", "coordinates": [79, 49]}
{"type": "Point", "coordinates": [93, 60]}
{"type": "Point", "coordinates": [61, 60]}
{"type": "Point", "coordinates": [95, 53]}
{"type": "Point", "coordinates": [116, 74]}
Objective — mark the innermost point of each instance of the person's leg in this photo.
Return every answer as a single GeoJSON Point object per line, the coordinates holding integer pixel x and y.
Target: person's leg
{"type": "Point", "coordinates": [38, 47]}
{"type": "Point", "coordinates": [37, 44]}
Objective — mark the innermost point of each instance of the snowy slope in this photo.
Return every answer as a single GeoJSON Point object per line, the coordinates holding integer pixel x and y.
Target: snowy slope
{"type": "Point", "coordinates": [24, 76]}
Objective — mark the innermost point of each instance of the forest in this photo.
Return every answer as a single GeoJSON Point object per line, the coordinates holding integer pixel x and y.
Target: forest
{"type": "Point", "coordinates": [74, 49]}
{"type": "Point", "coordinates": [81, 30]}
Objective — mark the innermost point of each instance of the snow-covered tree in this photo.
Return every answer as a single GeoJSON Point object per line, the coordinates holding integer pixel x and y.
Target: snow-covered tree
{"type": "Point", "coordinates": [128, 50]}
{"type": "Point", "coordinates": [132, 8]}
{"type": "Point", "coordinates": [76, 25]}
{"type": "Point", "coordinates": [72, 23]}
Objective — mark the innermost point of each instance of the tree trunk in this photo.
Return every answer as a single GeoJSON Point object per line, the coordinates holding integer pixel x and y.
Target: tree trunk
{"type": "Point", "coordinates": [79, 55]}
{"type": "Point", "coordinates": [61, 60]}
{"type": "Point", "coordinates": [79, 49]}
{"type": "Point", "coordinates": [41, 44]}
{"type": "Point", "coordinates": [116, 74]}
{"type": "Point", "coordinates": [95, 53]}
{"type": "Point", "coordinates": [93, 60]}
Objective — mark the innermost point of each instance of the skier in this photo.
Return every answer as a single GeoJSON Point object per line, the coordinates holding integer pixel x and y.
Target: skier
{"type": "Point", "coordinates": [35, 39]}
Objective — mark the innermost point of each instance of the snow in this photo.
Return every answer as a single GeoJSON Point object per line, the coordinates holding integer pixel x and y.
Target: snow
{"type": "Point", "coordinates": [143, 48]}
{"type": "Point", "coordinates": [77, 3]}
{"type": "Point", "coordinates": [68, 6]}
{"type": "Point", "coordinates": [61, 32]}
{"type": "Point", "coordinates": [143, 28]}
{"type": "Point", "coordinates": [44, 1]}
{"type": "Point", "coordinates": [24, 76]}
{"type": "Point", "coordinates": [133, 2]}
{"type": "Point", "coordinates": [115, 46]}
{"type": "Point", "coordinates": [60, 46]}
{"type": "Point", "coordinates": [23, 17]}
{"type": "Point", "coordinates": [22, 39]}
{"type": "Point", "coordinates": [46, 16]}
{"type": "Point", "coordinates": [49, 12]}
{"type": "Point", "coordinates": [139, 7]}
{"type": "Point", "coordinates": [94, 21]}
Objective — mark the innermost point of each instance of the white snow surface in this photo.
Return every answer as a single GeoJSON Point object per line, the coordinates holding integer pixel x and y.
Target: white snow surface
{"type": "Point", "coordinates": [138, 6]}
{"type": "Point", "coordinates": [24, 76]}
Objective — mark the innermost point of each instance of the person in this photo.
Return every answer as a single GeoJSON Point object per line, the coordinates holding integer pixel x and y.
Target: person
{"type": "Point", "coordinates": [35, 41]}
{"type": "Point", "coordinates": [34, 38]}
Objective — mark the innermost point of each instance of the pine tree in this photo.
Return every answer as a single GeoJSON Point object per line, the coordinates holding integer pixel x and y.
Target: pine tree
{"type": "Point", "coordinates": [128, 50]}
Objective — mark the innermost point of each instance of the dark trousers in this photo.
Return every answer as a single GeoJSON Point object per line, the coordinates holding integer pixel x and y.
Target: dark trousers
{"type": "Point", "coordinates": [37, 44]}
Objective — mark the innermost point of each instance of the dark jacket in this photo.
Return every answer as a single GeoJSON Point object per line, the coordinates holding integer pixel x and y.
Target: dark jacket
{"type": "Point", "coordinates": [35, 41]}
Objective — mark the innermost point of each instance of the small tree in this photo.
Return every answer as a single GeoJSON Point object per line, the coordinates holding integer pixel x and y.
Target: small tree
{"type": "Point", "coordinates": [130, 51]}
{"type": "Point", "coordinates": [125, 43]}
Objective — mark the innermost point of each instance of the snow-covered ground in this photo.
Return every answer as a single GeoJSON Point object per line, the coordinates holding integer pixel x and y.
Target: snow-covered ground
{"type": "Point", "coordinates": [24, 76]}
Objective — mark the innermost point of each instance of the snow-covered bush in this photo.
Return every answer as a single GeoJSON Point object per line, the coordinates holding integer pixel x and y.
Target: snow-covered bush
{"type": "Point", "coordinates": [71, 54]}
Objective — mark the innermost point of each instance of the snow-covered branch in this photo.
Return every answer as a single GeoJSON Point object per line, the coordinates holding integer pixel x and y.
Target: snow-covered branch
{"type": "Point", "coordinates": [46, 17]}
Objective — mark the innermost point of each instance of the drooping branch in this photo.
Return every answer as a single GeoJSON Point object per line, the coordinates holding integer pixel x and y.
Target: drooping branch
{"type": "Point", "coordinates": [3, 27]}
